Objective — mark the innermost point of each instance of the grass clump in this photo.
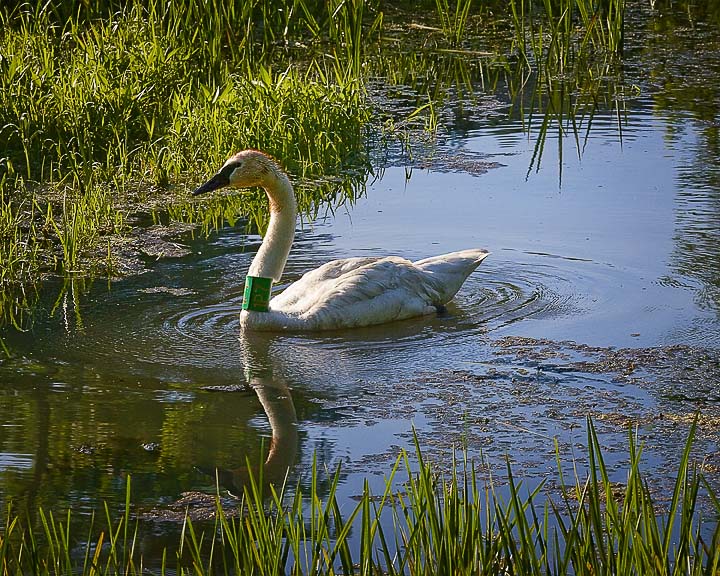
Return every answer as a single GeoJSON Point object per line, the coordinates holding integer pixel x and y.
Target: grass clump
{"type": "Point", "coordinates": [453, 19]}
{"type": "Point", "coordinates": [555, 33]}
{"type": "Point", "coordinates": [104, 112]}
{"type": "Point", "coordinates": [435, 524]}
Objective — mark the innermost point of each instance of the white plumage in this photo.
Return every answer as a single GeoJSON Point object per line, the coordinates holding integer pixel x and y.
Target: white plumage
{"type": "Point", "coordinates": [343, 293]}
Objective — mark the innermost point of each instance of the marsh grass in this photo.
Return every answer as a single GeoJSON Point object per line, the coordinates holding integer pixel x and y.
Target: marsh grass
{"type": "Point", "coordinates": [556, 33]}
{"type": "Point", "coordinates": [106, 110]}
{"type": "Point", "coordinates": [572, 51]}
{"type": "Point", "coordinates": [453, 19]}
{"type": "Point", "coordinates": [430, 523]}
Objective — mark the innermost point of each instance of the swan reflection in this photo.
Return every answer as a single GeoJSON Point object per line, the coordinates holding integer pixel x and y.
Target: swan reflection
{"type": "Point", "coordinates": [268, 383]}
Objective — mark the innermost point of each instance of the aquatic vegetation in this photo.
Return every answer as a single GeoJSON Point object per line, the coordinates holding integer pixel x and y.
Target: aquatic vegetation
{"type": "Point", "coordinates": [557, 33]}
{"type": "Point", "coordinates": [453, 22]}
{"type": "Point", "coordinates": [560, 62]}
{"type": "Point", "coordinates": [435, 524]}
{"type": "Point", "coordinates": [104, 116]}
{"type": "Point", "coordinates": [109, 111]}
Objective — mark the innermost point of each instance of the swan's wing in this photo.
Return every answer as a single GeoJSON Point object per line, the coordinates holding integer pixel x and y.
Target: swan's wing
{"type": "Point", "coordinates": [358, 292]}
{"type": "Point", "coordinates": [365, 291]}
{"type": "Point", "coordinates": [320, 276]}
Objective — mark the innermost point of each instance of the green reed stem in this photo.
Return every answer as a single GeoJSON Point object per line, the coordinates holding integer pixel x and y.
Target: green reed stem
{"type": "Point", "coordinates": [440, 525]}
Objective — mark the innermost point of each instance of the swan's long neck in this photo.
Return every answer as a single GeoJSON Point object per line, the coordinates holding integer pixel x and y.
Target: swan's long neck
{"type": "Point", "coordinates": [270, 260]}
{"type": "Point", "coordinates": [280, 410]}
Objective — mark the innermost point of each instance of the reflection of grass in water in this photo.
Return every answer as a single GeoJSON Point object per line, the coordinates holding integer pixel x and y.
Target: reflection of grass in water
{"type": "Point", "coordinates": [571, 49]}
{"type": "Point", "coordinates": [436, 525]}
{"type": "Point", "coordinates": [566, 106]}
{"type": "Point", "coordinates": [565, 68]}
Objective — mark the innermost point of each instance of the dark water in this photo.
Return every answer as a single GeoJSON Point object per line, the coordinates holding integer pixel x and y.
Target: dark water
{"type": "Point", "coordinates": [601, 298]}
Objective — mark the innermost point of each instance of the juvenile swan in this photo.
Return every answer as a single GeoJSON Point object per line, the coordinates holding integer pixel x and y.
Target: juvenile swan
{"type": "Point", "coordinates": [340, 294]}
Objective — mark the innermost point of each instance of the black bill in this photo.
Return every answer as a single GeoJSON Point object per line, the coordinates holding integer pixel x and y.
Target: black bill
{"type": "Point", "coordinates": [220, 180]}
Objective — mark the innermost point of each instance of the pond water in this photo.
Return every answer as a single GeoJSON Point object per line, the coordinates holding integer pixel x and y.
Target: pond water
{"type": "Point", "coordinates": [601, 298]}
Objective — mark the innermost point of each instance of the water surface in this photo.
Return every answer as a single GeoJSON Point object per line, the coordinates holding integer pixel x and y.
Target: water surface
{"type": "Point", "coordinates": [601, 298]}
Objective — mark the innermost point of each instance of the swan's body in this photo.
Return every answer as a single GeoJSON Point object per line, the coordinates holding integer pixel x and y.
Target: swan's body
{"type": "Point", "coordinates": [343, 293]}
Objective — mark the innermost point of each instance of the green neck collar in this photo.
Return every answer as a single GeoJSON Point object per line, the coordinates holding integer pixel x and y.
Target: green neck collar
{"type": "Point", "coordinates": [257, 293]}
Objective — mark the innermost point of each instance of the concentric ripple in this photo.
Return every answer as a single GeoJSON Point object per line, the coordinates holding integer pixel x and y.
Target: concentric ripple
{"type": "Point", "coordinates": [505, 295]}
{"type": "Point", "coordinates": [193, 336]}
{"type": "Point", "coordinates": [198, 324]}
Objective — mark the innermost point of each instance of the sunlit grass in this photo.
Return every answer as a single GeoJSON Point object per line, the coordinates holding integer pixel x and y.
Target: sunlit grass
{"type": "Point", "coordinates": [423, 522]}
{"type": "Point", "coordinates": [105, 113]}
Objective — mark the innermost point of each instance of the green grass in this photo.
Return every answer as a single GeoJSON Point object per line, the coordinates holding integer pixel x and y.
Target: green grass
{"type": "Point", "coordinates": [453, 19]}
{"type": "Point", "coordinates": [105, 114]}
{"type": "Point", "coordinates": [433, 524]}
{"type": "Point", "coordinates": [106, 108]}
{"type": "Point", "coordinates": [557, 32]}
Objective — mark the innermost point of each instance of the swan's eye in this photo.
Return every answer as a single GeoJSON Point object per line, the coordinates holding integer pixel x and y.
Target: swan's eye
{"type": "Point", "coordinates": [236, 172]}
{"type": "Point", "coordinates": [229, 171]}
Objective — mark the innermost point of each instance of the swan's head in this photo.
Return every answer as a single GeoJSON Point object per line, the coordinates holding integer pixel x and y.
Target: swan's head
{"type": "Point", "coordinates": [243, 170]}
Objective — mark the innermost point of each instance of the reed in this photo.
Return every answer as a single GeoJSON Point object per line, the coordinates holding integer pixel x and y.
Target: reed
{"type": "Point", "coordinates": [557, 32]}
{"type": "Point", "coordinates": [453, 20]}
{"type": "Point", "coordinates": [435, 524]}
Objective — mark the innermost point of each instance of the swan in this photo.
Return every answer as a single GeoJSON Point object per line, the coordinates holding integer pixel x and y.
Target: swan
{"type": "Point", "coordinates": [344, 293]}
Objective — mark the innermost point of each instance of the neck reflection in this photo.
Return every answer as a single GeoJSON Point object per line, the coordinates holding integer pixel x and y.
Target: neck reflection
{"type": "Point", "coordinates": [266, 380]}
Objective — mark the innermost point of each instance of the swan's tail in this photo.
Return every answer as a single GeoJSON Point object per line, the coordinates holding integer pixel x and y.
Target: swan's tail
{"type": "Point", "coordinates": [450, 270]}
{"type": "Point", "coordinates": [471, 257]}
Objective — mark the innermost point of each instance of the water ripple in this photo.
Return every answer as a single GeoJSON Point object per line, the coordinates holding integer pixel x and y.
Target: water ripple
{"type": "Point", "coordinates": [182, 338]}
{"type": "Point", "coordinates": [502, 297]}
{"type": "Point", "coordinates": [197, 324]}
